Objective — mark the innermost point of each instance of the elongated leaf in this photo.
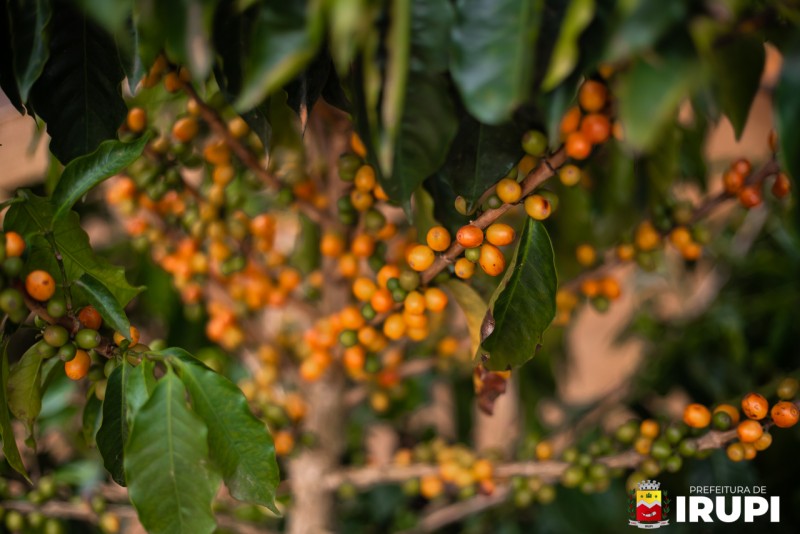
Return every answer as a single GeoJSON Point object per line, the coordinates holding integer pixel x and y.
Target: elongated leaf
{"type": "Point", "coordinates": [426, 131]}
{"type": "Point", "coordinates": [493, 55]}
{"type": "Point", "coordinates": [78, 93]}
{"type": "Point", "coordinates": [524, 303]}
{"type": "Point", "coordinates": [6, 430]}
{"type": "Point", "coordinates": [181, 28]}
{"type": "Point", "coordinates": [170, 481]}
{"type": "Point", "coordinates": [92, 418]}
{"type": "Point", "coordinates": [104, 302]}
{"type": "Point", "coordinates": [83, 173]}
{"type": "Point", "coordinates": [649, 94]}
{"type": "Point", "coordinates": [474, 308]}
{"type": "Point", "coordinates": [286, 37]}
{"type": "Point", "coordinates": [642, 27]}
{"type": "Point", "coordinates": [127, 390]}
{"type": "Point", "coordinates": [31, 39]}
{"type": "Point", "coordinates": [736, 70]}
{"type": "Point", "coordinates": [8, 78]}
{"type": "Point", "coordinates": [25, 387]}
{"type": "Point", "coordinates": [787, 110]}
{"type": "Point", "coordinates": [479, 156]}
{"type": "Point", "coordinates": [34, 218]}
{"type": "Point", "coordinates": [565, 53]}
{"type": "Point", "coordinates": [240, 444]}
{"type": "Point", "coordinates": [110, 14]}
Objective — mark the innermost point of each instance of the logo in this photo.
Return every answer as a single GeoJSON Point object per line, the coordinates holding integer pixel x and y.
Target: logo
{"type": "Point", "coordinates": [647, 506]}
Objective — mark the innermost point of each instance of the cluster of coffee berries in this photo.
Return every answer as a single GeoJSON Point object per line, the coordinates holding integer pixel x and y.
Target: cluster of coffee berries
{"type": "Point", "coordinates": [459, 470]}
{"type": "Point", "coordinates": [74, 336]}
{"type": "Point", "coordinates": [587, 124]}
{"type": "Point", "coordinates": [752, 431]}
{"type": "Point", "coordinates": [737, 182]}
{"type": "Point", "coordinates": [200, 211]}
{"type": "Point", "coordinates": [365, 191]}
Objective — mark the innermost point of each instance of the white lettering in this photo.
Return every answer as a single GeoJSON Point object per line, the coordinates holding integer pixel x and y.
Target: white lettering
{"type": "Point", "coordinates": [681, 510]}
{"type": "Point", "coordinates": [775, 509]}
{"type": "Point", "coordinates": [696, 511]}
{"type": "Point", "coordinates": [736, 509]}
{"type": "Point", "coordinates": [754, 506]}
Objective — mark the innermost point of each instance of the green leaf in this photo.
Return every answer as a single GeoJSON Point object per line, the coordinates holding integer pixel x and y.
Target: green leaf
{"type": "Point", "coordinates": [8, 79]}
{"type": "Point", "coordinates": [33, 216]}
{"type": "Point", "coordinates": [239, 443]}
{"type": "Point", "coordinates": [649, 93]}
{"type": "Point", "coordinates": [104, 302]}
{"type": "Point", "coordinates": [398, 50]}
{"type": "Point", "coordinates": [787, 110]}
{"type": "Point", "coordinates": [474, 308]}
{"type": "Point", "coordinates": [426, 131]}
{"type": "Point", "coordinates": [349, 24]}
{"type": "Point", "coordinates": [29, 20]}
{"type": "Point", "coordinates": [524, 303]}
{"type": "Point", "coordinates": [565, 53]}
{"type": "Point", "coordinates": [479, 156]}
{"type": "Point", "coordinates": [182, 28]}
{"type": "Point", "coordinates": [83, 173]}
{"type": "Point", "coordinates": [127, 391]}
{"type": "Point", "coordinates": [92, 418]}
{"type": "Point", "coordinates": [644, 26]}
{"type": "Point", "coordinates": [286, 37]}
{"type": "Point", "coordinates": [110, 14]}
{"type": "Point", "coordinates": [78, 93]}
{"type": "Point", "coordinates": [6, 430]}
{"type": "Point", "coordinates": [736, 68]}
{"type": "Point", "coordinates": [493, 55]}
{"type": "Point", "coordinates": [170, 481]}
{"type": "Point", "coordinates": [25, 387]}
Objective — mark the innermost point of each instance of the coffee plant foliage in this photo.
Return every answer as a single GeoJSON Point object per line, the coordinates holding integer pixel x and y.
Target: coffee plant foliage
{"type": "Point", "coordinates": [504, 156]}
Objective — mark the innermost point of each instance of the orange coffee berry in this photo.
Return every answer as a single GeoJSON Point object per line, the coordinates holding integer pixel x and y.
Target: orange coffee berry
{"type": "Point", "coordinates": [500, 234]}
{"type": "Point", "coordinates": [15, 245]}
{"type": "Point", "coordinates": [596, 128]}
{"type": "Point", "coordinates": [185, 129]}
{"type": "Point", "coordinates": [750, 196]}
{"type": "Point", "coordinates": [90, 317]}
{"type": "Point", "coordinates": [40, 285]}
{"type": "Point", "coordinates": [137, 120]}
{"type": "Point", "coordinates": [420, 257]}
{"type": "Point", "coordinates": [464, 268]}
{"type": "Point", "coordinates": [537, 207]}
{"type": "Point", "coordinates": [732, 181]}
{"type": "Point", "coordinates": [749, 431]}
{"type": "Point", "coordinates": [435, 299]}
{"type": "Point", "coordinates": [781, 186]}
{"type": "Point", "coordinates": [755, 406]}
{"type": "Point", "coordinates": [785, 414]}
{"type": "Point", "coordinates": [569, 175]}
{"type": "Point", "coordinates": [697, 416]}
{"type": "Point", "coordinates": [570, 121]}
{"type": "Point", "coordinates": [578, 146]}
{"type": "Point", "coordinates": [492, 260]}
{"type": "Point", "coordinates": [469, 236]}
{"type": "Point", "coordinates": [508, 190]}
{"type": "Point", "coordinates": [592, 96]}
{"type": "Point", "coordinates": [78, 366]}
{"type": "Point", "coordinates": [438, 238]}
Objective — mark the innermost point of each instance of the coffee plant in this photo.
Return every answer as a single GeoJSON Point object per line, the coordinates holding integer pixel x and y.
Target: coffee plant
{"type": "Point", "coordinates": [270, 231]}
